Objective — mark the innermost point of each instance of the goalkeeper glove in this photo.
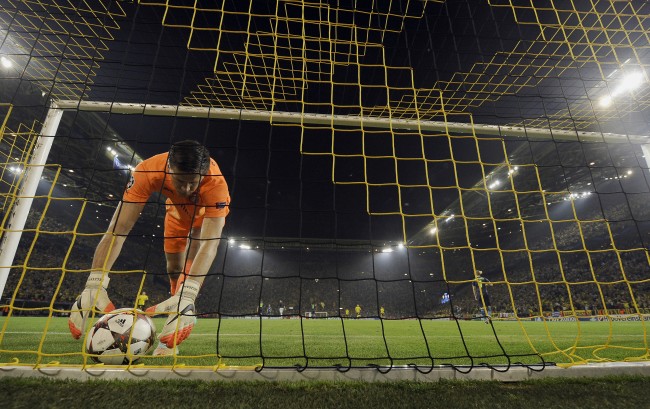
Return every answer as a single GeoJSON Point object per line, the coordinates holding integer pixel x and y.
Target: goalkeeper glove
{"type": "Point", "coordinates": [93, 297]}
{"type": "Point", "coordinates": [181, 314]}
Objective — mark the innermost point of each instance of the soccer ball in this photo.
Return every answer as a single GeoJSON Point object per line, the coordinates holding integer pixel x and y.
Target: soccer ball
{"type": "Point", "coordinates": [121, 337]}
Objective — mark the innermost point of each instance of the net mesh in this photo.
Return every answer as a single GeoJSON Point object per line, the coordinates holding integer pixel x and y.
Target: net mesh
{"type": "Point", "coordinates": [340, 213]}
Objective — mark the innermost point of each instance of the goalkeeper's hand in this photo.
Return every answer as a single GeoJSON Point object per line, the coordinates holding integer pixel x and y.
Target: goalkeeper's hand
{"type": "Point", "coordinates": [93, 298]}
{"type": "Point", "coordinates": [181, 314]}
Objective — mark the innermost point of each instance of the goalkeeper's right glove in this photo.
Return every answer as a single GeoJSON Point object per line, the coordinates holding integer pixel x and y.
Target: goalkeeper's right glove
{"type": "Point", "coordinates": [93, 297]}
{"type": "Point", "coordinates": [181, 313]}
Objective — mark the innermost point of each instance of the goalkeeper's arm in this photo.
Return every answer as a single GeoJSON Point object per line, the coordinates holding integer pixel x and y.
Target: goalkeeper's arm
{"type": "Point", "coordinates": [110, 245]}
{"type": "Point", "coordinates": [210, 239]}
{"type": "Point", "coordinates": [94, 295]}
{"type": "Point", "coordinates": [180, 307]}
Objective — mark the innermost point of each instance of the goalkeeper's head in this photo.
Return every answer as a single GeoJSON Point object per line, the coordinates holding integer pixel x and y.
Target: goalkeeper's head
{"type": "Point", "coordinates": [189, 157]}
{"type": "Point", "coordinates": [188, 161]}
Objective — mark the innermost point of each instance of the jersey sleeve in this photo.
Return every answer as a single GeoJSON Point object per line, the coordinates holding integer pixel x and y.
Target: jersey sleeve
{"type": "Point", "coordinates": [139, 187]}
{"type": "Point", "coordinates": [217, 198]}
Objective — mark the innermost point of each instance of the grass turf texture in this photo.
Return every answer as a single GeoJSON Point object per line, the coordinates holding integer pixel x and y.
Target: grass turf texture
{"type": "Point", "coordinates": [314, 343]}
{"type": "Point", "coordinates": [613, 392]}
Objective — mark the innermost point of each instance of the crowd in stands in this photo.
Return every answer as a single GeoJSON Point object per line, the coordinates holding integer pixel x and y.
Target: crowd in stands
{"type": "Point", "coordinates": [53, 268]}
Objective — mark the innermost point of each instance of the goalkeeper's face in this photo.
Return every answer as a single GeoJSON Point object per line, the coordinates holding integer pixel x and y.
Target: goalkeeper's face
{"type": "Point", "coordinates": [185, 184]}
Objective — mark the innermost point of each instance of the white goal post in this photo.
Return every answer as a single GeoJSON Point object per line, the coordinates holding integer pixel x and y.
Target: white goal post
{"type": "Point", "coordinates": [349, 120]}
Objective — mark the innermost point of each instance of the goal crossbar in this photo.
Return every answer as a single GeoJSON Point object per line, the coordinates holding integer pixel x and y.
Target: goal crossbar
{"type": "Point", "coordinates": [348, 120]}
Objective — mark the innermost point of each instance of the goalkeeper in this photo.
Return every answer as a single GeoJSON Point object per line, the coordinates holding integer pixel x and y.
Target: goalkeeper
{"type": "Point", "coordinates": [196, 208]}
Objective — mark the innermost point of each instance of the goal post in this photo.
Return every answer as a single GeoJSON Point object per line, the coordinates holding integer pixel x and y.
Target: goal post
{"type": "Point", "coordinates": [55, 113]}
{"type": "Point", "coordinates": [23, 201]}
{"type": "Point", "coordinates": [357, 122]}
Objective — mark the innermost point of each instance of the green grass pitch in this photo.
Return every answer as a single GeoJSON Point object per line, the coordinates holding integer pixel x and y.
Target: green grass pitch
{"type": "Point", "coordinates": [348, 342]}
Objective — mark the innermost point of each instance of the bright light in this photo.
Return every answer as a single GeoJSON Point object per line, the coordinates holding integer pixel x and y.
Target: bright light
{"type": "Point", "coordinates": [6, 63]}
{"type": "Point", "coordinates": [387, 250]}
{"type": "Point", "coordinates": [632, 81]}
{"type": "Point", "coordinates": [629, 172]}
{"type": "Point", "coordinates": [400, 246]}
{"type": "Point", "coordinates": [433, 230]}
{"type": "Point", "coordinates": [450, 218]}
{"type": "Point", "coordinates": [605, 101]}
{"type": "Point", "coordinates": [244, 246]}
{"type": "Point", "coordinates": [494, 184]}
{"type": "Point", "coordinates": [231, 241]}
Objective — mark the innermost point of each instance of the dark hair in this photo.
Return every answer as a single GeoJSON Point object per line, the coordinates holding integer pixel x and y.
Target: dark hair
{"type": "Point", "coordinates": [189, 156]}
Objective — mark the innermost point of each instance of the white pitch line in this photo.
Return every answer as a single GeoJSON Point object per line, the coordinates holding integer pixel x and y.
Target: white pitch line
{"type": "Point", "coordinates": [473, 336]}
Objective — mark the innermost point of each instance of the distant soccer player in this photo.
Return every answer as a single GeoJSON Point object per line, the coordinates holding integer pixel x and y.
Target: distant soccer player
{"type": "Point", "coordinates": [196, 208]}
{"type": "Point", "coordinates": [357, 309]}
{"type": "Point", "coordinates": [479, 288]}
{"type": "Point", "coordinates": [142, 300]}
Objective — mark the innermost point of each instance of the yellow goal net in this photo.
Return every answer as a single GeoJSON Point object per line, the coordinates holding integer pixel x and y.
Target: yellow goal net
{"type": "Point", "coordinates": [415, 184]}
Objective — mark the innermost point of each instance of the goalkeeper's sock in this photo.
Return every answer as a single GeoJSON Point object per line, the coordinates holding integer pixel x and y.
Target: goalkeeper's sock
{"type": "Point", "coordinates": [183, 276]}
{"type": "Point", "coordinates": [176, 283]}
{"type": "Point", "coordinates": [173, 283]}
{"type": "Point", "coordinates": [181, 280]}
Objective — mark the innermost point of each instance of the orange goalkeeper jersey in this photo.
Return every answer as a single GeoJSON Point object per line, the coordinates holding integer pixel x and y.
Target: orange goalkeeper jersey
{"type": "Point", "coordinates": [211, 199]}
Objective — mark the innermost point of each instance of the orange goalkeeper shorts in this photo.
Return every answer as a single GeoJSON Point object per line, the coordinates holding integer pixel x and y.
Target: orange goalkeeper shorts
{"type": "Point", "coordinates": [177, 232]}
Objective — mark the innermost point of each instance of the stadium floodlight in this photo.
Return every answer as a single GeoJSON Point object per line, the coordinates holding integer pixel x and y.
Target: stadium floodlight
{"type": "Point", "coordinates": [605, 101]}
{"type": "Point", "coordinates": [244, 246]}
{"type": "Point", "coordinates": [6, 62]}
{"type": "Point", "coordinates": [387, 250]}
{"type": "Point", "coordinates": [631, 81]}
{"type": "Point", "coordinates": [494, 184]}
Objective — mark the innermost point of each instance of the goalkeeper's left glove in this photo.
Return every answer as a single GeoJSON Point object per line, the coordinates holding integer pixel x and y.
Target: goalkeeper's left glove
{"type": "Point", "coordinates": [181, 313]}
{"type": "Point", "coordinates": [92, 298]}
